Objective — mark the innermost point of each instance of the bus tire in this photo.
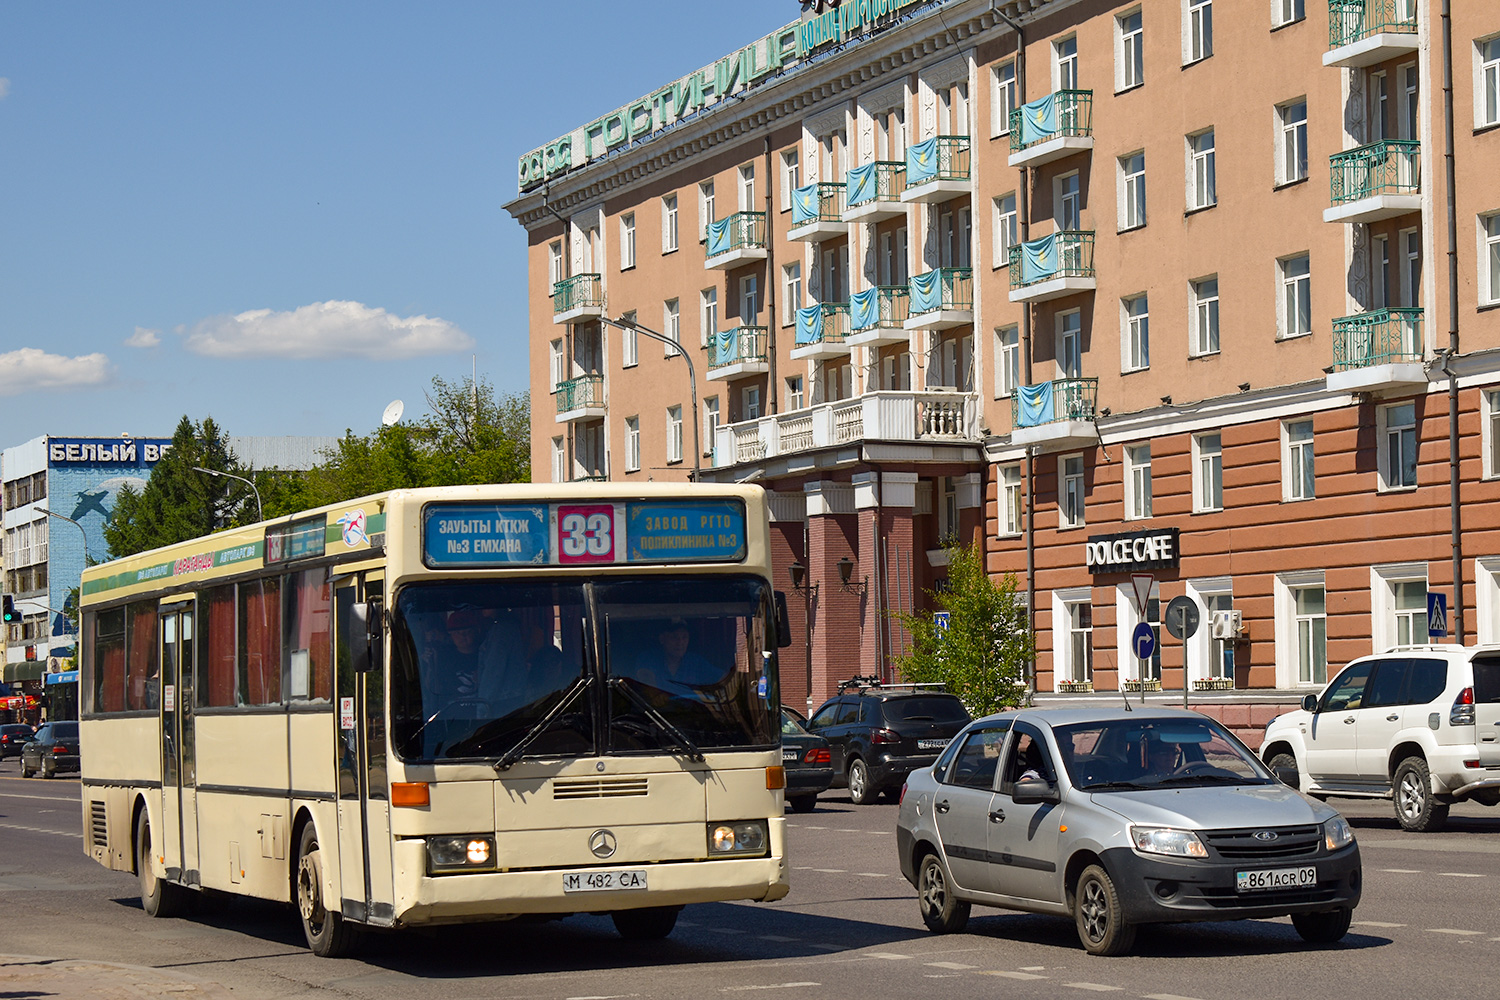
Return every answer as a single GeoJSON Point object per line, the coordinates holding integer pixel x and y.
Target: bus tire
{"type": "Point", "coordinates": [650, 923]}
{"type": "Point", "coordinates": [328, 934]}
{"type": "Point", "coordinates": [159, 898]}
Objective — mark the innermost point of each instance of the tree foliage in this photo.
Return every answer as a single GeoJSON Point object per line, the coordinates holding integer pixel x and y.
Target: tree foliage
{"type": "Point", "coordinates": [983, 653]}
{"type": "Point", "coordinates": [178, 503]}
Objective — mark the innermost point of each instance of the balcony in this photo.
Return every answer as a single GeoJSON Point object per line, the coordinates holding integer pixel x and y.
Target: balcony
{"type": "Point", "coordinates": [734, 240]}
{"type": "Point", "coordinates": [901, 417]}
{"type": "Point", "coordinates": [1374, 182]}
{"type": "Point", "coordinates": [1047, 129]}
{"type": "Point", "coordinates": [818, 212]}
{"type": "Point", "coordinates": [877, 316]}
{"type": "Point", "coordinates": [580, 297]}
{"type": "Point", "coordinates": [937, 169]}
{"type": "Point", "coordinates": [1052, 267]}
{"type": "Point", "coordinates": [1366, 32]}
{"type": "Point", "coordinates": [874, 192]}
{"type": "Point", "coordinates": [737, 353]}
{"type": "Point", "coordinates": [1378, 350]}
{"type": "Point", "coordinates": [1056, 414]}
{"type": "Point", "coordinates": [580, 398]}
{"type": "Point", "coordinates": [822, 331]}
{"type": "Point", "coordinates": [941, 298]}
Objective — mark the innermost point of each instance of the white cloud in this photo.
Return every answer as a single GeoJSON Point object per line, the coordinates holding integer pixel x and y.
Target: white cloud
{"type": "Point", "coordinates": [31, 369]}
{"type": "Point", "coordinates": [4, 87]}
{"type": "Point", "coordinates": [325, 330]}
{"type": "Point", "coordinates": [143, 337]}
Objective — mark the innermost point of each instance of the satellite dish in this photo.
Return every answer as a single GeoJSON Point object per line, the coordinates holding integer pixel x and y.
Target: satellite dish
{"type": "Point", "coordinates": [392, 414]}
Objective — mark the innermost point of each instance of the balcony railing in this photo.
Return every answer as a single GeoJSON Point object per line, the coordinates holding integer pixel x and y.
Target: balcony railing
{"type": "Point", "coordinates": [883, 305]}
{"type": "Point", "coordinates": [596, 478]}
{"type": "Point", "coordinates": [941, 158]}
{"type": "Point", "coordinates": [944, 288]}
{"type": "Point", "coordinates": [874, 416]}
{"type": "Point", "coordinates": [883, 180]}
{"type": "Point", "coordinates": [1050, 402]}
{"type": "Point", "coordinates": [821, 202]}
{"type": "Point", "coordinates": [824, 323]}
{"type": "Point", "coordinates": [1391, 166]}
{"type": "Point", "coordinates": [741, 345]}
{"type": "Point", "coordinates": [1351, 21]}
{"type": "Point", "coordinates": [740, 231]}
{"type": "Point", "coordinates": [1061, 113]}
{"type": "Point", "coordinates": [1382, 337]}
{"type": "Point", "coordinates": [577, 292]}
{"type": "Point", "coordinates": [1066, 254]}
{"type": "Point", "coordinates": [580, 393]}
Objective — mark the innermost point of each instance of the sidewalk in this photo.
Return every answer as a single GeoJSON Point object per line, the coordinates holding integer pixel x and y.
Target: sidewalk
{"type": "Point", "coordinates": [30, 976]}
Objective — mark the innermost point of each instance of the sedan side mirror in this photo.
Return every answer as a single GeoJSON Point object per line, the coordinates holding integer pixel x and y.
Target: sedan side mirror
{"type": "Point", "coordinates": [1031, 791]}
{"type": "Point", "coordinates": [1310, 703]}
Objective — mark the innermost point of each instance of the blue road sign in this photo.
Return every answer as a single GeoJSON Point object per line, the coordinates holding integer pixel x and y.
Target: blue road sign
{"type": "Point", "coordinates": [1143, 641]}
{"type": "Point", "coordinates": [940, 619]}
{"type": "Point", "coordinates": [1437, 615]}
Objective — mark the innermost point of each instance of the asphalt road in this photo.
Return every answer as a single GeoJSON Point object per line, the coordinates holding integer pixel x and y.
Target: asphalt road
{"type": "Point", "coordinates": [849, 929]}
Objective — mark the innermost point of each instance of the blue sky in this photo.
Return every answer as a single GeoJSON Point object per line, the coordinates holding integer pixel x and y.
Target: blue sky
{"type": "Point", "coordinates": [285, 215]}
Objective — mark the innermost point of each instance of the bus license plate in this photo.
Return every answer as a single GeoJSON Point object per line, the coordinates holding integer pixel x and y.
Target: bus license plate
{"type": "Point", "coordinates": [1276, 878]}
{"type": "Point", "coordinates": [634, 878]}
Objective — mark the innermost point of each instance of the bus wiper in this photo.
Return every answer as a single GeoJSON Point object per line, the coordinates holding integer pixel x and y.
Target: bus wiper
{"type": "Point", "coordinates": [687, 746]}
{"type": "Point", "coordinates": [516, 752]}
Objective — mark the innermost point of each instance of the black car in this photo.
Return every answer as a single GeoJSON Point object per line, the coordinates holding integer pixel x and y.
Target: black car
{"type": "Point", "coordinates": [13, 737]}
{"type": "Point", "coordinates": [808, 766]}
{"type": "Point", "coordinates": [54, 749]}
{"type": "Point", "coordinates": [879, 734]}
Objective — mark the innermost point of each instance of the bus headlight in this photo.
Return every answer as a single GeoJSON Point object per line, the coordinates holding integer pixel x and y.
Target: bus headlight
{"type": "Point", "coordinates": [737, 838]}
{"type": "Point", "coordinates": [462, 853]}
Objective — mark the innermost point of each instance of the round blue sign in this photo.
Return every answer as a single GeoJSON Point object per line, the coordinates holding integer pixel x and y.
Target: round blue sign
{"type": "Point", "coordinates": [1143, 641]}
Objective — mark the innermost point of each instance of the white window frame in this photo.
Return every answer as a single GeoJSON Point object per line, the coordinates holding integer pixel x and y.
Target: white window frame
{"type": "Point", "coordinates": [708, 315]}
{"type": "Point", "coordinates": [1408, 126]}
{"type": "Point", "coordinates": [749, 300]}
{"type": "Point", "coordinates": [1291, 282]}
{"type": "Point", "coordinates": [1002, 96]}
{"type": "Point", "coordinates": [1409, 241]}
{"type": "Point", "coordinates": [1067, 201]}
{"type": "Point", "coordinates": [1208, 472]}
{"type": "Point", "coordinates": [1203, 308]}
{"type": "Point", "coordinates": [1068, 628]}
{"type": "Point", "coordinates": [1284, 12]}
{"type": "Point", "coordinates": [1070, 484]}
{"type": "Point", "coordinates": [627, 241]}
{"type": "Point", "coordinates": [1008, 479]}
{"type": "Point", "coordinates": [1127, 618]}
{"type": "Point", "coordinates": [1065, 63]}
{"type": "Point", "coordinates": [557, 363]}
{"type": "Point", "coordinates": [1486, 82]}
{"type": "Point", "coordinates": [1062, 352]}
{"type": "Point", "coordinates": [710, 423]}
{"type": "Point", "coordinates": [554, 265]}
{"type": "Point", "coordinates": [791, 177]}
{"type": "Point", "coordinates": [1380, 99]}
{"type": "Point", "coordinates": [1291, 141]}
{"type": "Point", "coordinates": [1389, 434]}
{"type": "Point", "coordinates": [746, 187]}
{"type": "Point", "coordinates": [1206, 655]}
{"type": "Point", "coordinates": [630, 352]}
{"type": "Point", "coordinates": [1138, 482]}
{"type": "Point", "coordinates": [1132, 196]}
{"type": "Point", "coordinates": [633, 444]}
{"type": "Point", "coordinates": [1008, 358]}
{"type": "Point", "coordinates": [1197, 30]}
{"type": "Point", "coordinates": [1135, 333]}
{"type": "Point", "coordinates": [706, 209]}
{"type": "Point", "coordinates": [671, 326]}
{"type": "Point", "coordinates": [674, 434]}
{"type": "Point", "coordinates": [669, 223]}
{"type": "Point", "coordinates": [1380, 271]}
{"type": "Point", "coordinates": [795, 395]}
{"type": "Point", "coordinates": [1005, 223]}
{"type": "Point", "coordinates": [1490, 432]}
{"type": "Point", "coordinates": [750, 402]}
{"type": "Point", "coordinates": [1299, 462]}
{"type": "Point", "coordinates": [1386, 617]}
{"type": "Point", "coordinates": [1289, 664]}
{"type": "Point", "coordinates": [791, 292]}
{"type": "Point", "coordinates": [1202, 171]}
{"type": "Point", "coordinates": [1130, 59]}
{"type": "Point", "coordinates": [559, 461]}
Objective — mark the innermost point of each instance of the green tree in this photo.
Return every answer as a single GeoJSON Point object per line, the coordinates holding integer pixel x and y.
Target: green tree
{"type": "Point", "coordinates": [983, 653]}
{"type": "Point", "coordinates": [178, 503]}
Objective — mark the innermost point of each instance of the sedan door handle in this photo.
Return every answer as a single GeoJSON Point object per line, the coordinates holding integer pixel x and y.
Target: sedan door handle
{"type": "Point", "coordinates": [942, 806]}
{"type": "Point", "coordinates": [1348, 720]}
{"type": "Point", "coordinates": [998, 816]}
{"type": "Point", "coordinates": [1392, 717]}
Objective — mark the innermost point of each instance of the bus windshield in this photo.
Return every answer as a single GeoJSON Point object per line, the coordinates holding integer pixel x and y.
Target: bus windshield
{"type": "Point", "coordinates": [500, 669]}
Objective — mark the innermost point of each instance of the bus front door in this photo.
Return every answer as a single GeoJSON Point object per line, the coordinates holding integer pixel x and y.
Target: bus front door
{"type": "Point", "coordinates": [179, 807]}
{"type": "Point", "coordinates": [364, 816]}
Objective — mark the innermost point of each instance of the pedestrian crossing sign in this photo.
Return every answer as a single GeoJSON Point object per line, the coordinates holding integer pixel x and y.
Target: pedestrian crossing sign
{"type": "Point", "coordinates": [1437, 615]}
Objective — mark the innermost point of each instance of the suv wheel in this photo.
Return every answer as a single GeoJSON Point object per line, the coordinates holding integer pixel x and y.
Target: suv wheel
{"type": "Point", "coordinates": [942, 912]}
{"type": "Point", "coordinates": [1287, 761]}
{"type": "Point", "coordinates": [1416, 808]}
{"type": "Point", "coordinates": [859, 784]}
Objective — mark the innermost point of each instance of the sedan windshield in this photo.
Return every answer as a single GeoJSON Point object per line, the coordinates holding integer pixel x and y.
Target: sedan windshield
{"type": "Point", "coordinates": [1125, 755]}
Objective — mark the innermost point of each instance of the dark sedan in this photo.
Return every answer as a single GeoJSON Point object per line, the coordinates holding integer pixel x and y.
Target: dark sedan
{"type": "Point", "coordinates": [13, 737]}
{"type": "Point", "coordinates": [809, 769]}
{"type": "Point", "coordinates": [55, 749]}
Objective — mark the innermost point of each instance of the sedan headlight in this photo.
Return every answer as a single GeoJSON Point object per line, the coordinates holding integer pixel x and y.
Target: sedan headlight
{"type": "Point", "coordinates": [462, 853]}
{"type": "Point", "coordinates": [737, 838]}
{"type": "Point", "coordinates": [1165, 840]}
{"type": "Point", "coordinates": [1336, 834]}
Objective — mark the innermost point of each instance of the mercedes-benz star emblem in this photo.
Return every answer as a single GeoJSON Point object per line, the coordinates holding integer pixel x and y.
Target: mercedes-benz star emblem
{"type": "Point", "coordinates": [603, 843]}
{"type": "Point", "coordinates": [1266, 835]}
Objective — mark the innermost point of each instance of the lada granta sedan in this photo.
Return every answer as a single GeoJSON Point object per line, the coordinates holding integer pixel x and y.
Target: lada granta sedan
{"type": "Point", "coordinates": [1120, 818]}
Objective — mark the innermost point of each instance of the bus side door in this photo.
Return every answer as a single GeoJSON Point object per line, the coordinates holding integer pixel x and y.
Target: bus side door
{"type": "Point", "coordinates": [177, 699]}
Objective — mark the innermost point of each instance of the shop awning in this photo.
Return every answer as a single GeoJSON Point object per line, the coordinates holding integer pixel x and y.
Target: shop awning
{"type": "Point", "coordinates": [27, 670]}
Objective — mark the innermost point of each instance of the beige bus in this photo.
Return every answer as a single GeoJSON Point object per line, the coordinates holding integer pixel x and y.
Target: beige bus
{"type": "Point", "coordinates": [442, 705]}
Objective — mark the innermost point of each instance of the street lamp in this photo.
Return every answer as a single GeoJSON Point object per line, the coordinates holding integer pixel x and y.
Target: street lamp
{"type": "Point", "coordinates": [625, 323]}
{"type": "Point", "coordinates": [259, 510]}
{"type": "Point", "coordinates": [87, 561]}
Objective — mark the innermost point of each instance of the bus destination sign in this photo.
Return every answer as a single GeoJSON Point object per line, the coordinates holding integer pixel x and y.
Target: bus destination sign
{"type": "Point", "coordinates": [469, 534]}
{"type": "Point", "coordinates": [685, 531]}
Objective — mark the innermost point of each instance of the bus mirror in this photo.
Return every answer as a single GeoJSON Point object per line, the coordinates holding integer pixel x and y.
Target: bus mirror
{"type": "Point", "coordinates": [364, 636]}
{"type": "Point", "coordinates": [783, 622]}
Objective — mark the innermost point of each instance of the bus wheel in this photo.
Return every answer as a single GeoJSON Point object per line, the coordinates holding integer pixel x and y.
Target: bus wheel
{"type": "Point", "coordinates": [328, 934]}
{"type": "Point", "coordinates": [159, 898]}
{"type": "Point", "coordinates": [650, 923]}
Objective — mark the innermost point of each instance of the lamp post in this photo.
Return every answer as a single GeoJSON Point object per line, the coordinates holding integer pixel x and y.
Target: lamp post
{"type": "Point", "coordinates": [87, 560]}
{"type": "Point", "coordinates": [259, 510]}
{"type": "Point", "coordinates": [632, 326]}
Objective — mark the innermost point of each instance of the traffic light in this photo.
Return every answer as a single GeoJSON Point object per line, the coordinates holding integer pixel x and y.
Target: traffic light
{"type": "Point", "coordinates": [11, 614]}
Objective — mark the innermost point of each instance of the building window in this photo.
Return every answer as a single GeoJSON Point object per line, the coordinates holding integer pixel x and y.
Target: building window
{"type": "Point", "coordinates": [1002, 97]}
{"type": "Point", "coordinates": [705, 209]}
{"type": "Point", "coordinates": [1409, 610]}
{"type": "Point", "coordinates": [1491, 434]}
{"type": "Point", "coordinates": [1005, 229]}
{"type": "Point", "coordinates": [791, 174]}
{"type": "Point", "coordinates": [794, 394]}
{"type": "Point", "coordinates": [708, 315]}
{"type": "Point", "coordinates": [559, 461]}
{"type": "Point", "coordinates": [558, 364]}
{"type": "Point", "coordinates": [1380, 266]}
{"type": "Point", "coordinates": [1294, 315]}
{"type": "Point", "coordinates": [1489, 259]}
{"type": "Point", "coordinates": [1070, 344]}
{"type": "Point", "coordinates": [710, 423]}
{"type": "Point", "coordinates": [669, 223]}
{"type": "Point", "coordinates": [1380, 96]}
{"type": "Point", "coordinates": [1205, 293]}
{"type": "Point", "coordinates": [791, 292]}
{"type": "Point", "coordinates": [1398, 446]}
{"type": "Point", "coordinates": [1297, 461]}
{"type": "Point", "coordinates": [1487, 86]}
{"type": "Point", "coordinates": [1065, 63]}
{"type": "Point", "coordinates": [1202, 183]}
{"type": "Point", "coordinates": [750, 402]}
{"type": "Point", "coordinates": [554, 265]}
{"type": "Point", "coordinates": [630, 355]}
{"type": "Point", "coordinates": [749, 300]}
{"type": "Point", "coordinates": [1130, 63]}
{"type": "Point", "coordinates": [1286, 12]}
{"type": "Point", "coordinates": [1411, 267]}
{"type": "Point", "coordinates": [1070, 492]}
{"type": "Point", "coordinates": [1067, 200]}
{"type": "Point", "coordinates": [1136, 333]}
{"type": "Point", "coordinates": [1309, 608]}
{"type": "Point", "coordinates": [1078, 617]}
{"type": "Point", "coordinates": [1133, 191]}
{"type": "Point", "coordinates": [747, 188]}
{"type": "Point", "coordinates": [1291, 159]}
{"type": "Point", "coordinates": [1407, 126]}
{"type": "Point", "coordinates": [1010, 500]}
{"type": "Point", "coordinates": [674, 433]}
{"type": "Point", "coordinates": [1221, 651]}
{"type": "Point", "coordinates": [1138, 482]}
{"type": "Point", "coordinates": [627, 241]}
{"type": "Point", "coordinates": [632, 444]}
{"type": "Point", "coordinates": [1208, 472]}
{"type": "Point", "coordinates": [1200, 29]}
{"type": "Point", "coordinates": [671, 327]}
{"type": "Point", "coordinates": [1008, 350]}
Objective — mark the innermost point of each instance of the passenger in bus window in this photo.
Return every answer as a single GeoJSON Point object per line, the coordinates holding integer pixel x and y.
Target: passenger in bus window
{"type": "Point", "coordinates": [672, 668]}
{"type": "Point", "coordinates": [466, 628]}
{"type": "Point", "coordinates": [519, 665]}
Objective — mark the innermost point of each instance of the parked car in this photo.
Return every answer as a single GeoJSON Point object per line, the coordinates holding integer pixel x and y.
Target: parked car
{"type": "Point", "coordinates": [55, 749]}
{"type": "Point", "coordinates": [1117, 818]}
{"type": "Point", "coordinates": [1416, 724]}
{"type": "Point", "coordinates": [806, 759]}
{"type": "Point", "coordinates": [13, 736]}
{"type": "Point", "coordinates": [878, 735]}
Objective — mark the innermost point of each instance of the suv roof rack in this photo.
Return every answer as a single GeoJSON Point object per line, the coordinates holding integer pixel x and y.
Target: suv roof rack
{"type": "Point", "coordinates": [872, 682]}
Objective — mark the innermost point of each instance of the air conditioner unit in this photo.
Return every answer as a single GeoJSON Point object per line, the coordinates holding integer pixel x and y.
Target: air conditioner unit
{"type": "Point", "coordinates": [1227, 625]}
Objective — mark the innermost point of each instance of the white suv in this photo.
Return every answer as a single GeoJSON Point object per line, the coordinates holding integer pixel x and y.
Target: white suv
{"type": "Point", "coordinates": [1416, 724]}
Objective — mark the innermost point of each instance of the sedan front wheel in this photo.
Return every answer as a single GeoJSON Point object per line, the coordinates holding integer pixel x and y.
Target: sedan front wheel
{"type": "Point", "coordinates": [1102, 926]}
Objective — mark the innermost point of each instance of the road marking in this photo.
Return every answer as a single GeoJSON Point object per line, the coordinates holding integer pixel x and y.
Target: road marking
{"type": "Point", "coordinates": [1451, 930]}
{"type": "Point", "coordinates": [1376, 923]}
{"type": "Point", "coordinates": [772, 986]}
{"type": "Point", "coordinates": [842, 830]}
{"type": "Point", "coordinates": [1401, 871]}
{"type": "Point", "coordinates": [880, 833]}
{"type": "Point", "coordinates": [808, 826]}
{"type": "Point", "coordinates": [1463, 874]}
{"type": "Point", "coordinates": [41, 798]}
{"type": "Point", "coordinates": [828, 871]}
{"type": "Point", "coordinates": [955, 966]}
{"type": "Point", "coordinates": [1096, 987]}
{"type": "Point", "coordinates": [1167, 996]}
{"type": "Point", "coordinates": [888, 955]}
{"type": "Point", "coordinates": [873, 874]}
{"type": "Point", "coordinates": [611, 996]}
{"type": "Point", "coordinates": [1033, 968]}
{"type": "Point", "coordinates": [1010, 975]}
{"type": "Point", "coordinates": [37, 829]}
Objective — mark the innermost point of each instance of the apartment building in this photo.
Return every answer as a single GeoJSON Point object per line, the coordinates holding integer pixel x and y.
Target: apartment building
{"type": "Point", "coordinates": [1186, 288]}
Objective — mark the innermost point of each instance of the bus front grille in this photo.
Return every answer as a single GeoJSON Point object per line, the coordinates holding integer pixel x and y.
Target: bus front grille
{"type": "Point", "coordinates": [597, 788]}
{"type": "Point", "coordinates": [98, 827]}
